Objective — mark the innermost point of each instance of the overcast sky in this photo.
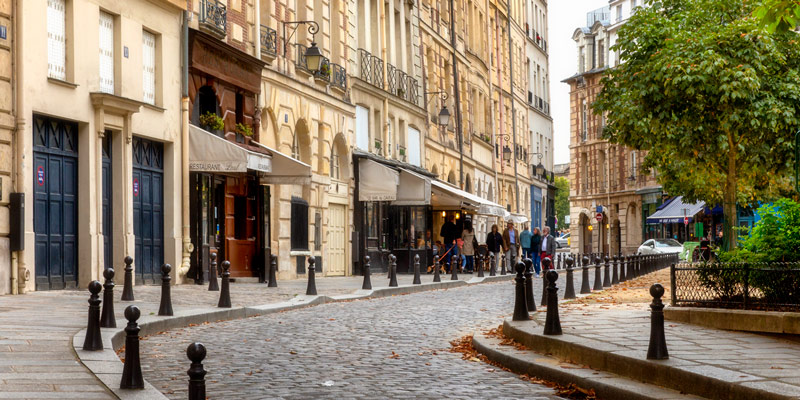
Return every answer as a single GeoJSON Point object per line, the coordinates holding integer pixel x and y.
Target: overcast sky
{"type": "Point", "coordinates": [564, 17]}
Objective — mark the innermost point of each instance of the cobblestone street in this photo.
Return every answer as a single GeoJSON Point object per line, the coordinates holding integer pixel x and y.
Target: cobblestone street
{"type": "Point", "coordinates": [394, 347]}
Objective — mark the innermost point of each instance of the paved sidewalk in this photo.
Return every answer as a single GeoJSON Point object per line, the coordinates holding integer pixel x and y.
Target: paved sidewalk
{"type": "Point", "coordinates": [37, 360]}
{"type": "Point", "coordinates": [614, 337]}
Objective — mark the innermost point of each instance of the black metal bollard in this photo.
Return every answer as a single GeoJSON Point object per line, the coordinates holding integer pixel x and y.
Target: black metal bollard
{"type": "Point", "coordinates": [392, 270]}
{"type": "Point", "coordinates": [552, 324]}
{"type": "Point", "coordinates": [132, 371]}
{"type": "Point", "coordinates": [417, 280]}
{"type": "Point", "coordinates": [614, 270]}
{"type": "Point", "coordinates": [546, 263]}
{"type": "Point", "coordinates": [436, 266]}
{"type": "Point", "coordinates": [657, 349]}
{"type": "Point", "coordinates": [107, 319]}
{"type": "Point", "coordinates": [569, 290]}
{"type": "Point", "coordinates": [165, 308]}
{"type": "Point", "coordinates": [585, 288]}
{"type": "Point", "coordinates": [213, 284]}
{"type": "Point", "coordinates": [529, 302]}
{"type": "Point", "coordinates": [127, 286]}
{"type": "Point", "coordinates": [311, 289]}
{"type": "Point", "coordinates": [481, 265]}
{"type": "Point", "coordinates": [197, 375]}
{"type": "Point", "coordinates": [93, 340]}
{"type": "Point", "coordinates": [503, 266]}
{"type": "Point", "coordinates": [367, 285]}
{"type": "Point", "coordinates": [454, 267]}
{"type": "Point", "coordinates": [520, 308]}
{"type": "Point", "coordinates": [225, 293]}
{"type": "Point", "coordinates": [273, 271]}
{"type": "Point", "coordinates": [598, 278]}
{"type": "Point", "coordinates": [492, 265]}
{"type": "Point", "coordinates": [607, 272]}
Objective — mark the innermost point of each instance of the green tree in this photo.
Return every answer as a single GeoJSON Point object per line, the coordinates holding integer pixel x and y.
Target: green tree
{"type": "Point", "coordinates": [562, 201]}
{"type": "Point", "coordinates": [713, 98]}
{"type": "Point", "coordinates": [778, 15]}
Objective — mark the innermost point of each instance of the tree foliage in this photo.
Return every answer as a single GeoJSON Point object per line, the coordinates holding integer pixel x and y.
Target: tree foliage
{"type": "Point", "coordinates": [562, 201]}
{"type": "Point", "coordinates": [778, 15]}
{"type": "Point", "coordinates": [713, 98]}
{"type": "Point", "coordinates": [775, 238]}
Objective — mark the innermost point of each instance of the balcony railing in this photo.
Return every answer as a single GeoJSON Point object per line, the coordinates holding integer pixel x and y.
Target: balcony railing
{"type": "Point", "coordinates": [391, 78]}
{"type": "Point", "coordinates": [324, 72]}
{"type": "Point", "coordinates": [269, 41]}
{"type": "Point", "coordinates": [398, 82]}
{"type": "Point", "coordinates": [339, 77]}
{"type": "Point", "coordinates": [300, 63]}
{"type": "Point", "coordinates": [371, 68]}
{"type": "Point", "coordinates": [214, 16]}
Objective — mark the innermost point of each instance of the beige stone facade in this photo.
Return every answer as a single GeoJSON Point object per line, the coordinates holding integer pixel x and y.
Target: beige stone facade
{"type": "Point", "coordinates": [605, 179]}
{"type": "Point", "coordinates": [7, 120]}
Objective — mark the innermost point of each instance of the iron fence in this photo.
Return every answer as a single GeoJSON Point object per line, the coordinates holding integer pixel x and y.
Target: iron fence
{"type": "Point", "coordinates": [214, 15]}
{"type": "Point", "coordinates": [300, 62]}
{"type": "Point", "coordinates": [339, 79]}
{"type": "Point", "coordinates": [774, 286]}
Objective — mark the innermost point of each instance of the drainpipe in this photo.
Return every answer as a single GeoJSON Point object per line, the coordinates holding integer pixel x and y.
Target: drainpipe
{"type": "Point", "coordinates": [188, 247]}
{"type": "Point", "coordinates": [513, 112]}
{"type": "Point", "coordinates": [491, 107]}
{"type": "Point", "coordinates": [459, 132]}
{"type": "Point", "coordinates": [500, 105]}
{"type": "Point", "coordinates": [385, 114]}
{"type": "Point", "coordinates": [19, 275]}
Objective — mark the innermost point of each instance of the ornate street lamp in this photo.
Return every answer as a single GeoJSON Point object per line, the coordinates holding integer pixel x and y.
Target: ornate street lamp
{"type": "Point", "coordinates": [539, 168]}
{"type": "Point", "coordinates": [313, 54]}
{"type": "Point", "coordinates": [444, 114]}
{"type": "Point", "coordinates": [506, 153]}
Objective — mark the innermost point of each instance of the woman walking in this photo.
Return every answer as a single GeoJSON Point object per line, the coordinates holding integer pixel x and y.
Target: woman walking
{"type": "Point", "coordinates": [536, 247]}
{"type": "Point", "coordinates": [468, 248]}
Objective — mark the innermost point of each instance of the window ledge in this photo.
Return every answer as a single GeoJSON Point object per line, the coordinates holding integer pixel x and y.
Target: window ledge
{"type": "Point", "coordinates": [62, 83]}
{"type": "Point", "coordinates": [154, 107]}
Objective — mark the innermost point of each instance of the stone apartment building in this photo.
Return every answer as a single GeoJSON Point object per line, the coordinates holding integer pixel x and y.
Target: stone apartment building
{"type": "Point", "coordinates": [605, 179]}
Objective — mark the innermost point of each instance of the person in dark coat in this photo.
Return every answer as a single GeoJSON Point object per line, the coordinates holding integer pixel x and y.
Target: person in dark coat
{"type": "Point", "coordinates": [494, 242]}
{"type": "Point", "coordinates": [536, 249]}
{"type": "Point", "coordinates": [449, 234]}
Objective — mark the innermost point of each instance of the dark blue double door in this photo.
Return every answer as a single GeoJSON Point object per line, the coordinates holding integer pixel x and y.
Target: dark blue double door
{"type": "Point", "coordinates": [148, 209]}
{"type": "Point", "coordinates": [55, 203]}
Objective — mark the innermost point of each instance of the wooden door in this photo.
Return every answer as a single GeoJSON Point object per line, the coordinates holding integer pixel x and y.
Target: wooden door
{"type": "Point", "coordinates": [337, 239]}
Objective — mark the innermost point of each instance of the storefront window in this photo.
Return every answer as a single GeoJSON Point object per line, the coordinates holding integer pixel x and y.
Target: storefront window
{"type": "Point", "coordinates": [418, 228]}
{"type": "Point", "coordinates": [372, 220]}
{"type": "Point", "coordinates": [299, 236]}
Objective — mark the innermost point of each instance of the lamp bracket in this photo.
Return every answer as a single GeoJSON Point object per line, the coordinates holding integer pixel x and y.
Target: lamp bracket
{"type": "Point", "coordinates": [313, 28]}
{"type": "Point", "coordinates": [442, 94]}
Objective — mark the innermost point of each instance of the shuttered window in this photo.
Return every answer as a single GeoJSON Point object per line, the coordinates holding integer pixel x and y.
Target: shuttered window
{"type": "Point", "coordinates": [106, 53]}
{"type": "Point", "coordinates": [56, 40]}
{"type": "Point", "coordinates": [149, 67]}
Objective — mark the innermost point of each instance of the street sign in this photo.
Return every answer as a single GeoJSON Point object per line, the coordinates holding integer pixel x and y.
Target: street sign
{"type": "Point", "coordinates": [686, 220]}
{"type": "Point", "coordinates": [599, 209]}
{"type": "Point", "coordinates": [599, 217]}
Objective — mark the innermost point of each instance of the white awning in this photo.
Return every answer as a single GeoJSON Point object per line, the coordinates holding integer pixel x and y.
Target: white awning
{"type": "Point", "coordinates": [516, 218]}
{"type": "Point", "coordinates": [286, 170]}
{"type": "Point", "coordinates": [413, 190]}
{"type": "Point", "coordinates": [211, 153]}
{"type": "Point", "coordinates": [446, 196]}
{"type": "Point", "coordinates": [376, 182]}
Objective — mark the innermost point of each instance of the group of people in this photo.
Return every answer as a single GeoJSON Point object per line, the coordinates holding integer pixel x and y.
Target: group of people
{"type": "Point", "coordinates": [535, 245]}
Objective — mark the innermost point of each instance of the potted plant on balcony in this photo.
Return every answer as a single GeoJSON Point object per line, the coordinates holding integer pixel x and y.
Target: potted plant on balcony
{"type": "Point", "coordinates": [401, 93]}
{"type": "Point", "coordinates": [324, 73]}
{"type": "Point", "coordinates": [212, 122]}
{"type": "Point", "coordinates": [245, 131]}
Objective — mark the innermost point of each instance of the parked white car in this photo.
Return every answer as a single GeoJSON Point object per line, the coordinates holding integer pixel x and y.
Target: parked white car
{"type": "Point", "coordinates": [562, 241]}
{"type": "Point", "coordinates": [660, 246]}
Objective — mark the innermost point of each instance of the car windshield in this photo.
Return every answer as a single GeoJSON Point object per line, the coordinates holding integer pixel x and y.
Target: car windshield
{"type": "Point", "coordinates": [667, 243]}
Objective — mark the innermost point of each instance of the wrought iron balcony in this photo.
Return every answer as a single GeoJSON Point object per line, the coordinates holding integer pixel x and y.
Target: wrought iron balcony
{"type": "Point", "coordinates": [371, 68]}
{"type": "Point", "coordinates": [324, 73]}
{"type": "Point", "coordinates": [339, 77]}
{"type": "Point", "coordinates": [214, 16]}
{"type": "Point", "coordinates": [300, 63]}
{"type": "Point", "coordinates": [391, 77]}
{"type": "Point", "coordinates": [269, 42]}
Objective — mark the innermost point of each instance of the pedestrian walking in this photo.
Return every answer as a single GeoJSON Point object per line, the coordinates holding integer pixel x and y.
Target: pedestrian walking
{"type": "Point", "coordinates": [449, 234]}
{"type": "Point", "coordinates": [494, 242]}
{"type": "Point", "coordinates": [536, 249]}
{"type": "Point", "coordinates": [468, 247]}
{"type": "Point", "coordinates": [511, 245]}
{"type": "Point", "coordinates": [548, 244]}
{"type": "Point", "coordinates": [525, 241]}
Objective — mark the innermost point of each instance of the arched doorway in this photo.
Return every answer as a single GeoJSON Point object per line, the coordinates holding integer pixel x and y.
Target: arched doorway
{"type": "Point", "coordinates": [467, 184]}
{"type": "Point", "coordinates": [451, 178]}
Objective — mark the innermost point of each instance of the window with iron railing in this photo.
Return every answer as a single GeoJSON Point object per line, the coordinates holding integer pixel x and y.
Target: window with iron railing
{"type": "Point", "coordinates": [338, 77]}
{"type": "Point", "coordinates": [269, 41]}
{"type": "Point", "coordinates": [214, 16]}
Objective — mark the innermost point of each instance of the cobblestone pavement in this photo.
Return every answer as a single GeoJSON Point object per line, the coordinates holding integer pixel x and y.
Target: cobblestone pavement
{"type": "Point", "coordinates": [395, 347]}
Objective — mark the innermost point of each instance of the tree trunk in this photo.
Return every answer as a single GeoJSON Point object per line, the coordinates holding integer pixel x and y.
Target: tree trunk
{"type": "Point", "coordinates": [729, 200]}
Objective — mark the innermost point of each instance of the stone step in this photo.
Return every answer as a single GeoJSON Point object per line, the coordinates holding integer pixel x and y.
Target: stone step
{"type": "Point", "coordinates": [605, 384]}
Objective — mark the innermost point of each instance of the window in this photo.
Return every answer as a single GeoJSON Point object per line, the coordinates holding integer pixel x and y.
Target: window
{"type": "Point", "coordinates": [295, 147]}
{"type": "Point", "coordinates": [148, 67]}
{"type": "Point", "coordinates": [335, 173]}
{"type": "Point", "coordinates": [106, 53]}
{"type": "Point", "coordinates": [362, 128]}
{"type": "Point", "coordinates": [299, 236]}
{"type": "Point", "coordinates": [633, 165]}
{"type": "Point", "coordinates": [413, 149]}
{"type": "Point", "coordinates": [56, 39]}
{"type": "Point", "coordinates": [619, 13]}
{"type": "Point", "coordinates": [601, 54]}
{"type": "Point", "coordinates": [584, 121]}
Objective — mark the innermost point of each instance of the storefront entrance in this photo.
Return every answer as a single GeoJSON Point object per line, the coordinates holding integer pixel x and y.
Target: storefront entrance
{"type": "Point", "coordinates": [148, 209]}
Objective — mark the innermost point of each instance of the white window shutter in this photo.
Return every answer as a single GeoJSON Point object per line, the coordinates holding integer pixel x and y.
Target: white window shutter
{"type": "Point", "coordinates": [106, 53]}
{"type": "Point", "coordinates": [56, 40]}
{"type": "Point", "coordinates": [149, 67]}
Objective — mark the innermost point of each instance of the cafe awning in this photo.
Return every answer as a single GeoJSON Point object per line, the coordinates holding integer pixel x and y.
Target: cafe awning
{"type": "Point", "coordinates": [446, 196]}
{"type": "Point", "coordinates": [211, 153]}
{"type": "Point", "coordinates": [517, 218]}
{"type": "Point", "coordinates": [285, 170]}
{"type": "Point", "coordinates": [413, 189]}
{"type": "Point", "coordinates": [376, 182]}
{"type": "Point", "coordinates": [675, 211]}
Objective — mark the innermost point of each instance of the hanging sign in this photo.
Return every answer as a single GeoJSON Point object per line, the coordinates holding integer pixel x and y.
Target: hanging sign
{"type": "Point", "coordinates": [135, 187]}
{"type": "Point", "coordinates": [40, 175]}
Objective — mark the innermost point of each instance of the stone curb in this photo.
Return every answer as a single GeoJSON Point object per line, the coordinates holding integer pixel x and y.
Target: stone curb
{"type": "Point", "coordinates": [665, 373]}
{"type": "Point", "coordinates": [737, 320]}
{"type": "Point", "coordinates": [107, 366]}
{"type": "Point", "coordinates": [605, 385]}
